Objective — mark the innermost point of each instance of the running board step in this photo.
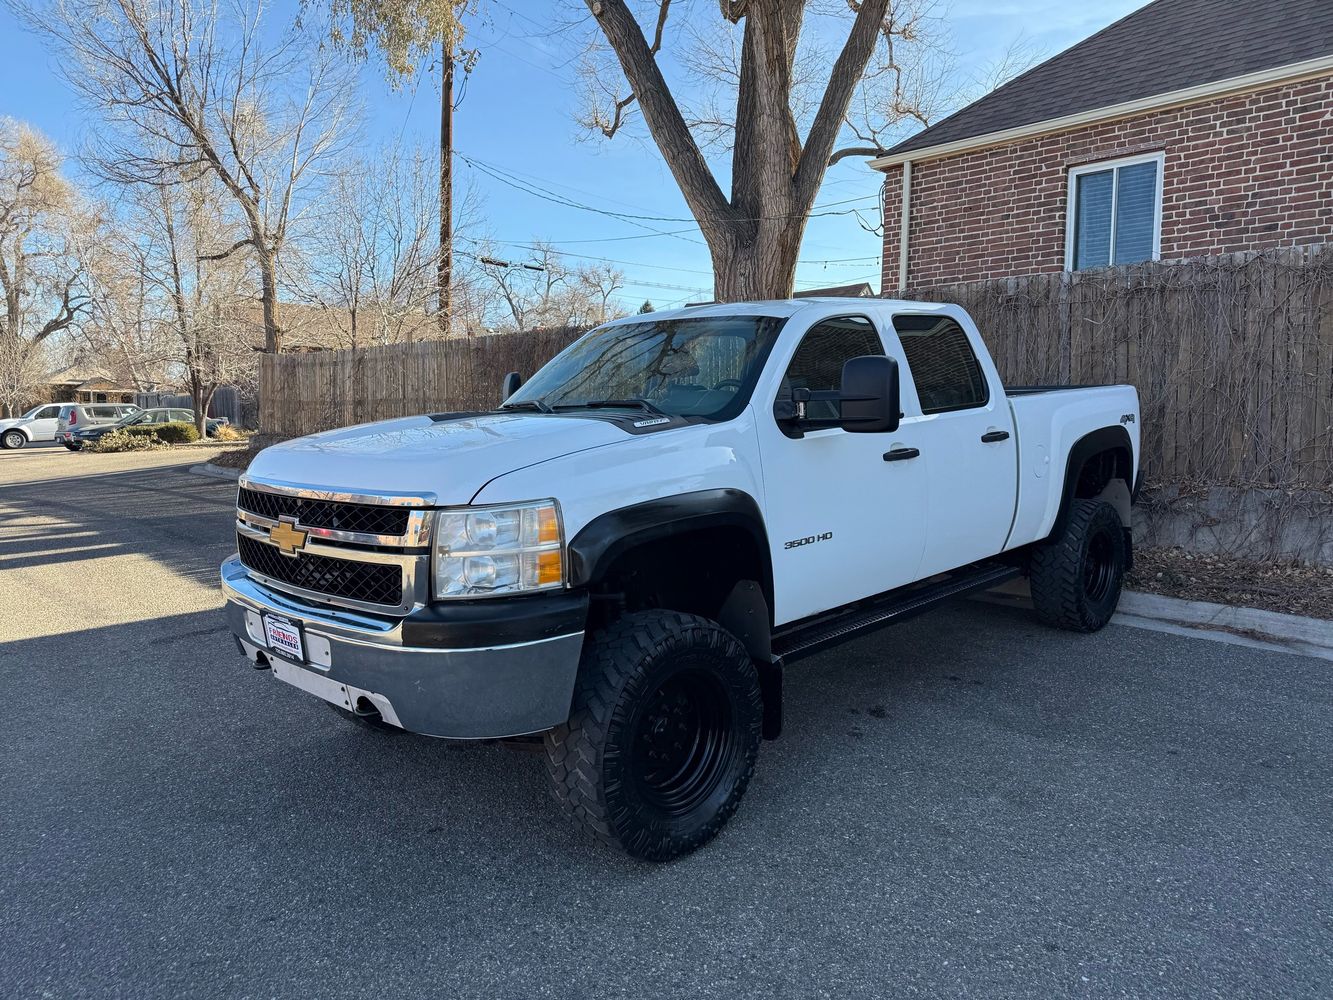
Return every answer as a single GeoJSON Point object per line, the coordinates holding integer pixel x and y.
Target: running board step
{"type": "Point", "coordinates": [896, 606]}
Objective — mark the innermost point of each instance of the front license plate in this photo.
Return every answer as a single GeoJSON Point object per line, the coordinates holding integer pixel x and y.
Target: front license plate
{"type": "Point", "coordinates": [284, 637]}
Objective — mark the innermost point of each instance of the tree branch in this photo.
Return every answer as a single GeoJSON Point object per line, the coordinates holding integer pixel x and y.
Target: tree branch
{"type": "Point", "coordinates": [661, 113]}
{"type": "Point", "coordinates": [847, 71]}
{"type": "Point", "coordinates": [849, 151]}
{"type": "Point", "coordinates": [224, 254]}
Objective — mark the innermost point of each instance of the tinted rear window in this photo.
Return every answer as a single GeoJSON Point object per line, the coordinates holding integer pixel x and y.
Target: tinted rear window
{"type": "Point", "coordinates": [944, 366]}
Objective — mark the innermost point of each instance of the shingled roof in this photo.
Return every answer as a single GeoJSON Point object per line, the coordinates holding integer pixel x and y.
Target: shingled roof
{"type": "Point", "coordinates": [1163, 47]}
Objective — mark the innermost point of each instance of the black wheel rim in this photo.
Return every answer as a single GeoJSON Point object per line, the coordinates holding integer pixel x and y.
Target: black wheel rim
{"type": "Point", "coordinates": [1099, 567]}
{"type": "Point", "coordinates": [684, 742]}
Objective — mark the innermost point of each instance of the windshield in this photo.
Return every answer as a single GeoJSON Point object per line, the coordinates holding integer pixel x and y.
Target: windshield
{"type": "Point", "coordinates": [704, 367]}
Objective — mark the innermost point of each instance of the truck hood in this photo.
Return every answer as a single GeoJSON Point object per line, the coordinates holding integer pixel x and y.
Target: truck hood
{"type": "Point", "coordinates": [9, 422]}
{"type": "Point", "coordinates": [450, 457]}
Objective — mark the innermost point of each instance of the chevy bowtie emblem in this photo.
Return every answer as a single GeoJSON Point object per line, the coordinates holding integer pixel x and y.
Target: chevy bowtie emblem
{"type": "Point", "coordinates": [287, 537]}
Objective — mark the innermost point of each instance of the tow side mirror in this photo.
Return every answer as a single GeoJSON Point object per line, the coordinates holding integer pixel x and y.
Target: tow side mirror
{"type": "Point", "coordinates": [869, 399]}
{"type": "Point", "coordinates": [510, 384]}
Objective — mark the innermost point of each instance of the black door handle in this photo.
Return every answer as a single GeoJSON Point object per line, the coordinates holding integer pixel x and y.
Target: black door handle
{"type": "Point", "coordinates": [901, 454]}
{"type": "Point", "coordinates": [990, 437]}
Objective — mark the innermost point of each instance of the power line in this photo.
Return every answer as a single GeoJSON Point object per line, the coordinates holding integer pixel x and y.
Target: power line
{"type": "Point", "coordinates": [629, 281]}
{"type": "Point", "coordinates": [504, 177]}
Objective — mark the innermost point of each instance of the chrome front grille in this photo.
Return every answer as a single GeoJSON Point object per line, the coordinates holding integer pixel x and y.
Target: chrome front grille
{"type": "Point", "coordinates": [362, 518]}
{"type": "Point", "coordinates": [355, 550]}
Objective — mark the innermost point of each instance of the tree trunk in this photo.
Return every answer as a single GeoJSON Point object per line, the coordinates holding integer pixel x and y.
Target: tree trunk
{"type": "Point", "coordinates": [198, 403]}
{"type": "Point", "coordinates": [268, 297]}
{"type": "Point", "coordinates": [201, 414]}
{"type": "Point", "coordinates": [757, 262]}
{"type": "Point", "coordinates": [754, 237]}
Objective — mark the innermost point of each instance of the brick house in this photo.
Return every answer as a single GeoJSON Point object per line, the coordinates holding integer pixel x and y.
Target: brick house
{"type": "Point", "coordinates": [1188, 128]}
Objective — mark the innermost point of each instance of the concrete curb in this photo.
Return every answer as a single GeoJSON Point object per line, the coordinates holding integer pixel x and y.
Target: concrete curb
{"type": "Point", "coordinates": [1221, 622]}
{"type": "Point", "coordinates": [1201, 620]}
{"type": "Point", "coordinates": [216, 471]}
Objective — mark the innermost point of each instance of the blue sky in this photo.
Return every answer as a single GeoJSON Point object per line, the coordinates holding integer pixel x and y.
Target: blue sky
{"type": "Point", "coordinates": [517, 116]}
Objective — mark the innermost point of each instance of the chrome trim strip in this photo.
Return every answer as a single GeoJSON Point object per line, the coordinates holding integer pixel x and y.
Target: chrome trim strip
{"type": "Point", "coordinates": [417, 534]}
{"type": "Point", "coordinates": [338, 496]}
{"type": "Point", "coordinates": [335, 551]}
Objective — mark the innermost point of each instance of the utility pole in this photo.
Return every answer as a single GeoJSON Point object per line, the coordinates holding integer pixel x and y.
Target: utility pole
{"type": "Point", "coordinates": [444, 279]}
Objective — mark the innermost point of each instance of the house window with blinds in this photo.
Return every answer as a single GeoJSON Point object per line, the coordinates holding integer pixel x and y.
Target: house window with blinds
{"type": "Point", "coordinates": [1115, 212]}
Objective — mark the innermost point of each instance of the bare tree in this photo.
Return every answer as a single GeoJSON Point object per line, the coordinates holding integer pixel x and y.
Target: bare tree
{"type": "Point", "coordinates": [544, 291]}
{"type": "Point", "coordinates": [166, 303]}
{"type": "Point", "coordinates": [193, 86]}
{"type": "Point", "coordinates": [528, 289]}
{"type": "Point", "coordinates": [42, 219]}
{"type": "Point", "coordinates": [373, 263]}
{"type": "Point", "coordinates": [407, 32]}
{"type": "Point", "coordinates": [597, 284]}
{"type": "Point", "coordinates": [123, 331]}
{"type": "Point", "coordinates": [786, 109]}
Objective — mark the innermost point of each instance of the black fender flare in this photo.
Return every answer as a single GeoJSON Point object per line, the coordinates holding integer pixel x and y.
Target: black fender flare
{"type": "Point", "coordinates": [1114, 438]}
{"type": "Point", "coordinates": [608, 536]}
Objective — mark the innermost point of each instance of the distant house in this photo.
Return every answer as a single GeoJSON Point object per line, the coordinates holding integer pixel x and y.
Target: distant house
{"type": "Point", "coordinates": [859, 290]}
{"type": "Point", "coordinates": [1188, 128]}
{"type": "Point", "coordinates": [75, 385]}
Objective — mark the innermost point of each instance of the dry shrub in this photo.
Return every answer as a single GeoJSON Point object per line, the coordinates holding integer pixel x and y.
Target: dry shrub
{"type": "Point", "coordinates": [125, 440]}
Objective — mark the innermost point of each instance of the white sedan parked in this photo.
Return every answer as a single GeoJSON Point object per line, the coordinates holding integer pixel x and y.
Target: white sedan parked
{"type": "Point", "coordinates": [38, 424]}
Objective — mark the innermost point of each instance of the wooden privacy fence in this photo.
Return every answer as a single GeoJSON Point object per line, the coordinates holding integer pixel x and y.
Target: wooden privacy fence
{"type": "Point", "coordinates": [1232, 356]}
{"type": "Point", "coordinates": [227, 402]}
{"type": "Point", "coordinates": [304, 393]}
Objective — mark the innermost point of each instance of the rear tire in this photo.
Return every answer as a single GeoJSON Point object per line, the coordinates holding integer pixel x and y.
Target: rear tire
{"type": "Point", "coordinates": [1077, 578]}
{"type": "Point", "coordinates": [662, 736]}
{"type": "Point", "coordinates": [13, 440]}
{"type": "Point", "coordinates": [74, 447]}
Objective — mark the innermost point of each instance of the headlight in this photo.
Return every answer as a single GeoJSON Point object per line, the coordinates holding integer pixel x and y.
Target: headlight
{"type": "Point", "coordinates": [498, 550]}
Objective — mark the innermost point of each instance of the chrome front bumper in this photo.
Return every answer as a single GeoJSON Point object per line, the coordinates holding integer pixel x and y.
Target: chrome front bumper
{"type": "Point", "coordinates": [478, 692]}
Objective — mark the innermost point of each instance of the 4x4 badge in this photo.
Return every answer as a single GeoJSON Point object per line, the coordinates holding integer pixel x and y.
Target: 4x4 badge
{"type": "Point", "coordinates": [287, 537]}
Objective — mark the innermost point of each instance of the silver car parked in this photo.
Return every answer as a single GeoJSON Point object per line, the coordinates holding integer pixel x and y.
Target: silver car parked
{"type": "Point", "coordinates": [75, 417]}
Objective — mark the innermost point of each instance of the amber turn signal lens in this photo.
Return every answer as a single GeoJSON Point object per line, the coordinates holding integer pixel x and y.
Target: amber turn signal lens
{"type": "Point", "coordinates": [548, 526]}
{"type": "Point", "coordinates": [549, 568]}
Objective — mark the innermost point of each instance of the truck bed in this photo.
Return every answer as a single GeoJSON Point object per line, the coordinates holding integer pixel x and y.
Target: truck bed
{"type": "Point", "coordinates": [1049, 420]}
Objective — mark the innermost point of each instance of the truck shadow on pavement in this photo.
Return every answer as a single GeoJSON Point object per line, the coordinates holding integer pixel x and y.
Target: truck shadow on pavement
{"type": "Point", "coordinates": [970, 770]}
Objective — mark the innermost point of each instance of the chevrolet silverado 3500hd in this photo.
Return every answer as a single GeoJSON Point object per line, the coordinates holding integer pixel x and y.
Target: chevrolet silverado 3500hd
{"type": "Point", "coordinates": [625, 555]}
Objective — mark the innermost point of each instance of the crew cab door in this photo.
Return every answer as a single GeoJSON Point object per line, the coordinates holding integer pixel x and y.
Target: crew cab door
{"type": "Point", "coordinates": [966, 434]}
{"type": "Point", "coordinates": [843, 523]}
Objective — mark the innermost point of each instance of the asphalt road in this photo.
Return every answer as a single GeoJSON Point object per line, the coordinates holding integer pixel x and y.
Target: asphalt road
{"type": "Point", "coordinates": [966, 806]}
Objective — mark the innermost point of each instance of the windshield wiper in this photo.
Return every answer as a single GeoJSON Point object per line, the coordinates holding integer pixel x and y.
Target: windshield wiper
{"type": "Point", "coordinates": [528, 404]}
{"type": "Point", "coordinates": [629, 404]}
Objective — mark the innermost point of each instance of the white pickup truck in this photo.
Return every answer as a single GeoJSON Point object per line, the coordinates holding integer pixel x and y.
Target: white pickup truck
{"type": "Point", "coordinates": [620, 561]}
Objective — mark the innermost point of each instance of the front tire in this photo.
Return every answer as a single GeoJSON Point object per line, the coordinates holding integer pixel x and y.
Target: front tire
{"type": "Point", "coordinates": [662, 736]}
{"type": "Point", "coordinates": [13, 440]}
{"type": "Point", "coordinates": [1077, 578]}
